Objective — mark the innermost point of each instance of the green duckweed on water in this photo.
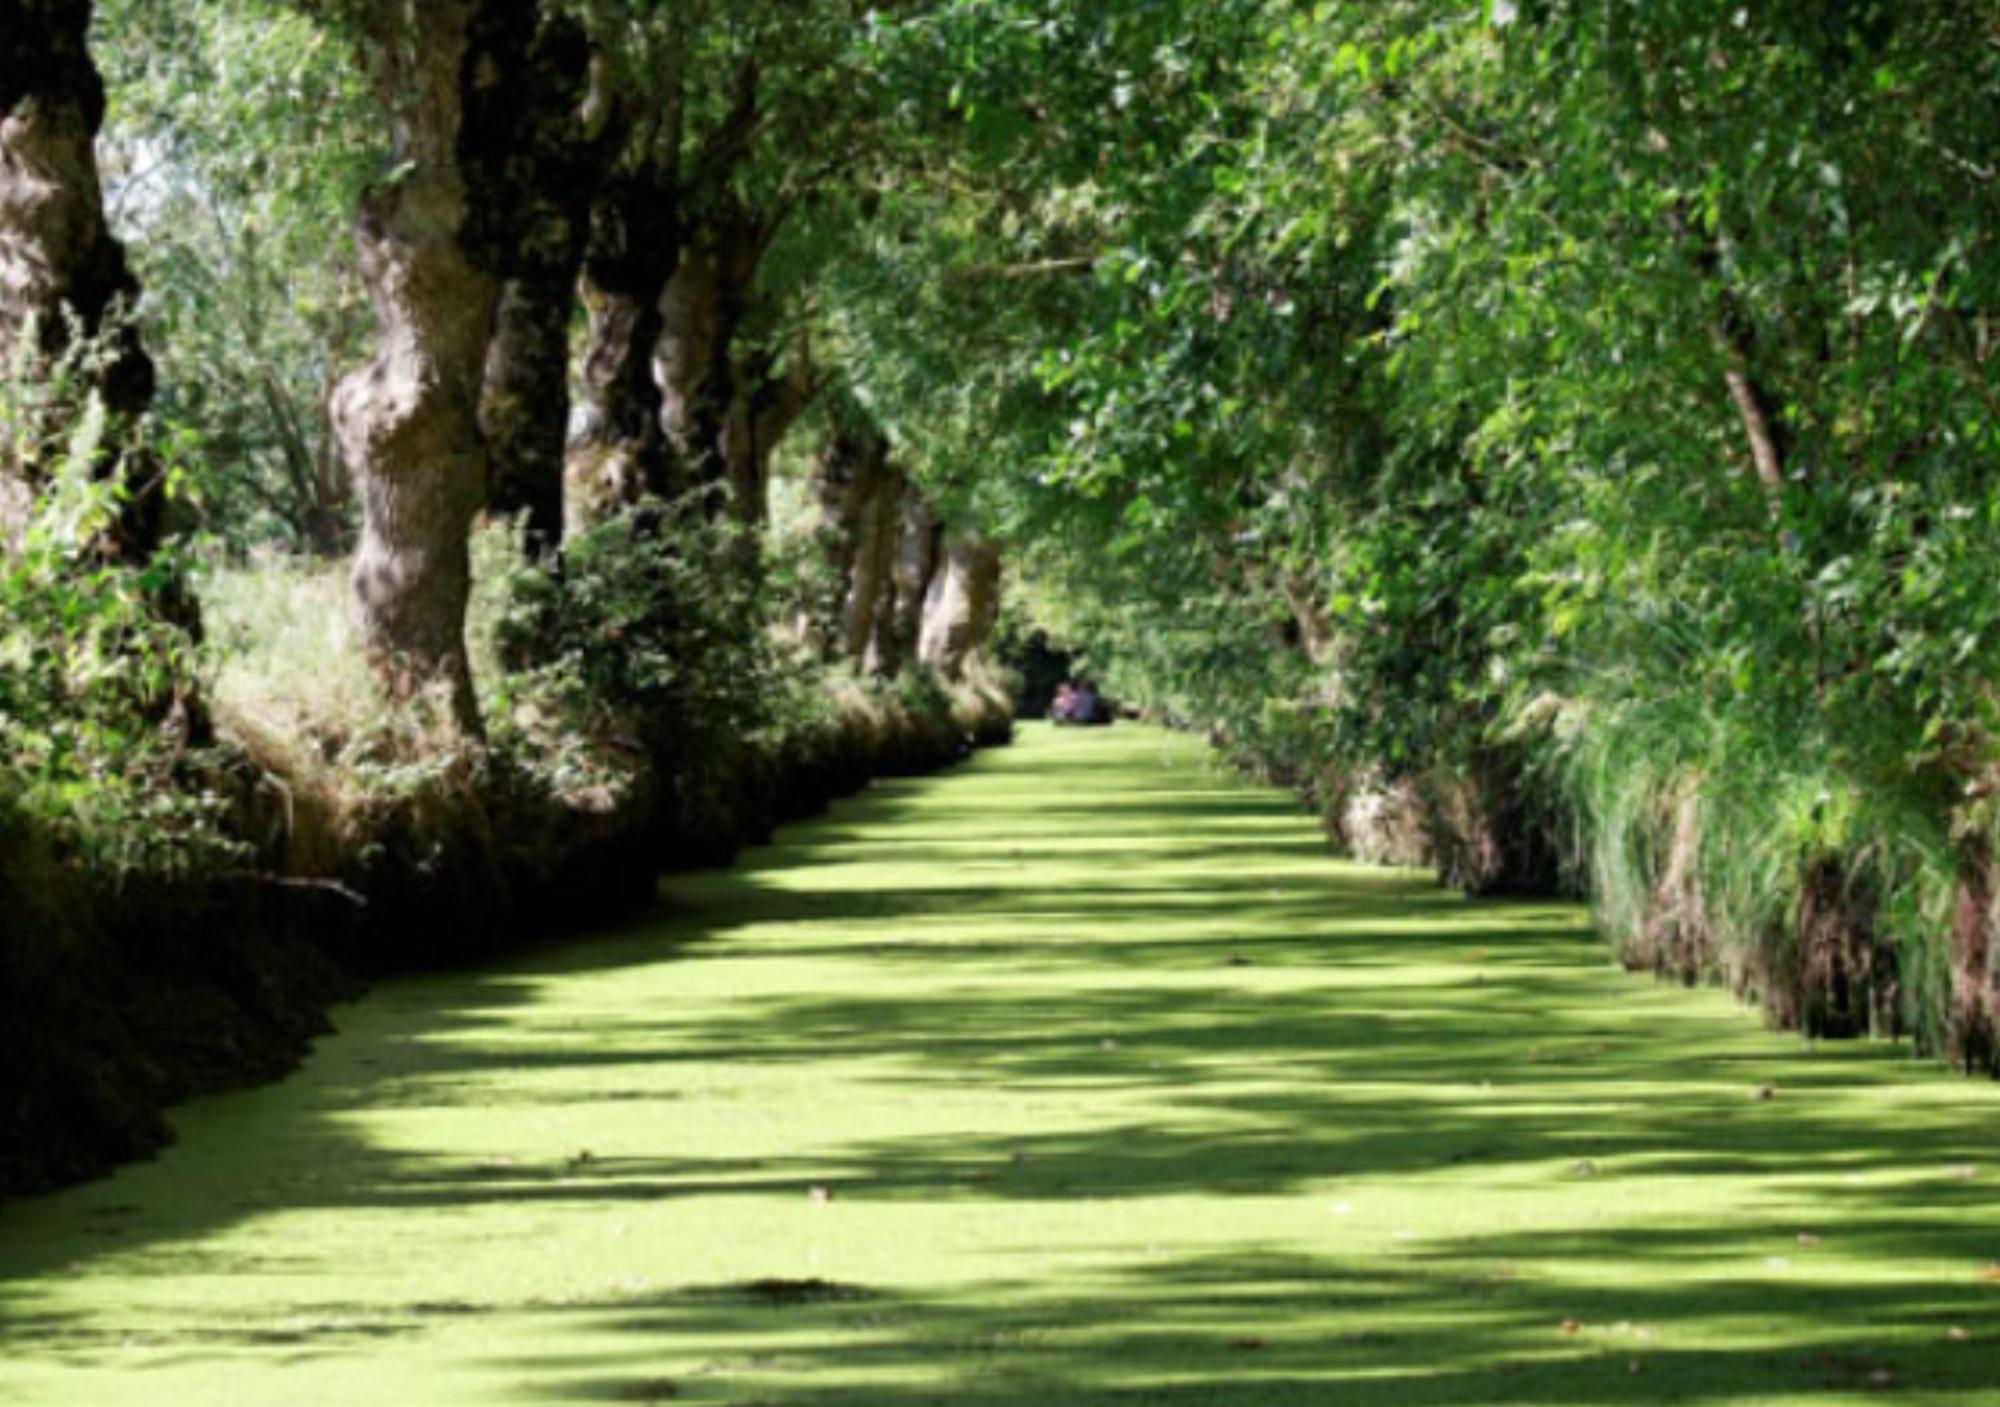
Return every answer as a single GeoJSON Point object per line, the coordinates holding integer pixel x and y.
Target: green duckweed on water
{"type": "Point", "coordinates": [1079, 1076]}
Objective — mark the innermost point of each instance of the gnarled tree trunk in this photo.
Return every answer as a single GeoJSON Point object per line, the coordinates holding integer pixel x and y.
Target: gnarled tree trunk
{"type": "Point", "coordinates": [962, 607]}
{"type": "Point", "coordinates": [432, 240]}
{"type": "Point", "coordinates": [63, 278]}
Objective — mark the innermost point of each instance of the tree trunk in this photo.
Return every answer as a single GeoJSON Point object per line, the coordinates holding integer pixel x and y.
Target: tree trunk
{"type": "Point", "coordinates": [1730, 332]}
{"type": "Point", "coordinates": [920, 538]}
{"type": "Point", "coordinates": [563, 143]}
{"type": "Point", "coordinates": [962, 607]}
{"type": "Point", "coordinates": [845, 484]}
{"type": "Point", "coordinates": [701, 313]}
{"type": "Point", "coordinates": [875, 518]}
{"type": "Point", "coordinates": [432, 240]}
{"type": "Point", "coordinates": [63, 278]}
{"type": "Point", "coordinates": [879, 655]}
{"type": "Point", "coordinates": [619, 453]}
{"type": "Point", "coordinates": [1314, 625]}
{"type": "Point", "coordinates": [764, 408]}
{"type": "Point", "coordinates": [1973, 1040]}
{"type": "Point", "coordinates": [524, 407]}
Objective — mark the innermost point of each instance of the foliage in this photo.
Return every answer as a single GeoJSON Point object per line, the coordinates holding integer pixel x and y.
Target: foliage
{"type": "Point", "coordinates": [651, 626]}
{"type": "Point", "coordinates": [240, 135]}
{"type": "Point", "coordinates": [99, 695]}
{"type": "Point", "coordinates": [1472, 404]}
{"type": "Point", "coordinates": [1396, 384]}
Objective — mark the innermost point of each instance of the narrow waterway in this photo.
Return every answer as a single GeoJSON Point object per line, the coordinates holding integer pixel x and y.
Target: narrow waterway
{"type": "Point", "coordinates": [1080, 1075]}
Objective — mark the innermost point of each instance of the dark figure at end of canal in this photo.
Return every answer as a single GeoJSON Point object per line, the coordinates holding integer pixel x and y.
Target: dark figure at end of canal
{"type": "Point", "coordinates": [1080, 704]}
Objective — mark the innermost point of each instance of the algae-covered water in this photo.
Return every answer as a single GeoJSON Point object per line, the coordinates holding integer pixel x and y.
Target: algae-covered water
{"type": "Point", "coordinates": [1078, 1076]}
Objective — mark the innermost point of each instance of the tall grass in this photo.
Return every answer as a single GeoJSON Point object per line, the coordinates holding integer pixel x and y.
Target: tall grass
{"type": "Point", "coordinates": [1718, 849]}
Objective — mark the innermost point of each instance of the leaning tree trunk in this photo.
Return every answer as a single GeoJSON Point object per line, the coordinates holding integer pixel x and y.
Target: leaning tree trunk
{"type": "Point", "coordinates": [63, 278]}
{"type": "Point", "coordinates": [962, 607]}
{"type": "Point", "coordinates": [431, 240]}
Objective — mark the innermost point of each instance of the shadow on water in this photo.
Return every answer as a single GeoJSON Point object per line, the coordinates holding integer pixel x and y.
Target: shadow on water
{"type": "Point", "coordinates": [1270, 1025]}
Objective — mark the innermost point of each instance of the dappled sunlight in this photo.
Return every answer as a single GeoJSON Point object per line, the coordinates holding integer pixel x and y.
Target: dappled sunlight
{"type": "Point", "coordinates": [959, 1095]}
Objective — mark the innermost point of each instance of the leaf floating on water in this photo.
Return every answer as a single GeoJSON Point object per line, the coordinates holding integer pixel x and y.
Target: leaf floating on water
{"type": "Point", "coordinates": [1991, 1274]}
{"type": "Point", "coordinates": [1956, 1334]}
{"type": "Point", "coordinates": [1806, 1238]}
{"type": "Point", "coordinates": [820, 1194]}
{"type": "Point", "coordinates": [1572, 1326]}
{"type": "Point", "coordinates": [1583, 1167]}
{"type": "Point", "coordinates": [1247, 1344]}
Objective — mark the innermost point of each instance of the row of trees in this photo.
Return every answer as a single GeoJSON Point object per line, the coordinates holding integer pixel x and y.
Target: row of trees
{"type": "Point", "coordinates": [1557, 434]}
{"type": "Point", "coordinates": [1560, 436]}
{"type": "Point", "coordinates": [630, 199]}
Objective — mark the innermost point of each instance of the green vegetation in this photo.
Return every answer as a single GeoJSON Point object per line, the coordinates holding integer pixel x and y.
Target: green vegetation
{"type": "Point", "coordinates": [462, 459]}
{"type": "Point", "coordinates": [1081, 1076]}
{"type": "Point", "coordinates": [1558, 437]}
{"type": "Point", "coordinates": [394, 396]}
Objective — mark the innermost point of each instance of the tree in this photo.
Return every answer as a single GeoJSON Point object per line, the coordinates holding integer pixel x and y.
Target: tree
{"type": "Point", "coordinates": [435, 237]}
{"type": "Point", "coordinates": [67, 296]}
{"type": "Point", "coordinates": [239, 138]}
